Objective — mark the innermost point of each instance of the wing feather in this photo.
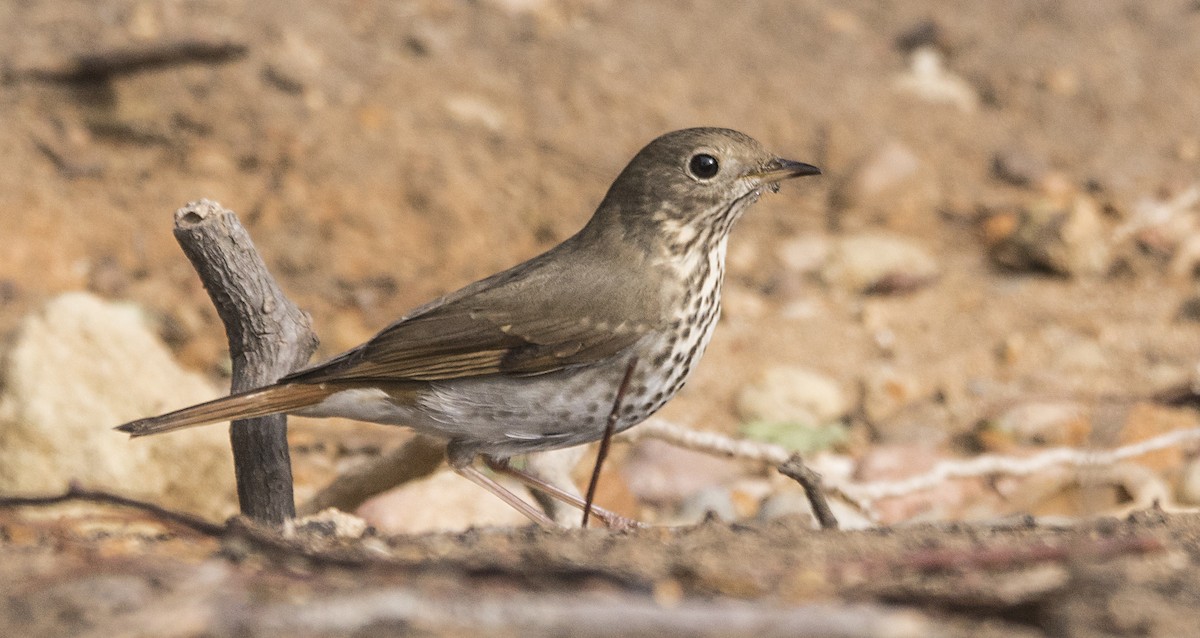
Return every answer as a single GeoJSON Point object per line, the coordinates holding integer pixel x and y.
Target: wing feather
{"type": "Point", "coordinates": [510, 323]}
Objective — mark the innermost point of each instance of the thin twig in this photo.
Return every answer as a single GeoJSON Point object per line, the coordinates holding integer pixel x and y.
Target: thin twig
{"type": "Point", "coordinates": [996, 464]}
{"type": "Point", "coordinates": [796, 470]}
{"type": "Point", "coordinates": [76, 492]}
{"type": "Point", "coordinates": [768, 454]}
{"type": "Point", "coordinates": [863, 495]}
{"type": "Point", "coordinates": [710, 442]}
{"type": "Point", "coordinates": [609, 427]}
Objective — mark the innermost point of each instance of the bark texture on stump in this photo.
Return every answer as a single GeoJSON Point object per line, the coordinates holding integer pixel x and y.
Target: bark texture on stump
{"type": "Point", "coordinates": [269, 336]}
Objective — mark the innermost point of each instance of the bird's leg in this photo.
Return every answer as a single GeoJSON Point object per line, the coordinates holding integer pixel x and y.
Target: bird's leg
{"type": "Point", "coordinates": [482, 480]}
{"type": "Point", "coordinates": [611, 519]}
{"type": "Point", "coordinates": [462, 462]}
{"type": "Point", "coordinates": [557, 467]}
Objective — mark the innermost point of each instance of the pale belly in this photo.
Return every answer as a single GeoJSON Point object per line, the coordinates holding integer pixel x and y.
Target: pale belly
{"type": "Point", "coordinates": [503, 416]}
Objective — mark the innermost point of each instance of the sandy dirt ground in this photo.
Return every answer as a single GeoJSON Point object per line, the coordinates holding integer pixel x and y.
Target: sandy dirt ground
{"type": "Point", "coordinates": [1032, 169]}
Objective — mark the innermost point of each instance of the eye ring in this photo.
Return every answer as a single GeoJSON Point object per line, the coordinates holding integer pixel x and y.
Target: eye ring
{"type": "Point", "coordinates": [704, 166]}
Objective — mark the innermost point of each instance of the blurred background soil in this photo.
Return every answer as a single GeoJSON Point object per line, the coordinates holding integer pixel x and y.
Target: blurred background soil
{"type": "Point", "coordinates": [1001, 255]}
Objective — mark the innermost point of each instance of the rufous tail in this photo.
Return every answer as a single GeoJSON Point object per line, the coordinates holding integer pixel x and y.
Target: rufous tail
{"type": "Point", "coordinates": [243, 405]}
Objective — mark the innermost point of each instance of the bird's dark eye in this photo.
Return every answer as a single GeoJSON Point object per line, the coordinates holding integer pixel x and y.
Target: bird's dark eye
{"type": "Point", "coordinates": [704, 166]}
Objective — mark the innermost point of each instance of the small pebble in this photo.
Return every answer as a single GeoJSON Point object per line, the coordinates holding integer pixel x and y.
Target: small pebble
{"type": "Point", "coordinates": [1188, 489]}
{"type": "Point", "coordinates": [879, 264]}
{"type": "Point", "coordinates": [1189, 310]}
{"type": "Point", "coordinates": [928, 79]}
{"type": "Point", "coordinates": [792, 394]}
{"type": "Point", "coordinates": [1018, 167]}
{"type": "Point", "coordinates": [1039, 424]}
{"type": "Point", "coordinates": [1071, 241]}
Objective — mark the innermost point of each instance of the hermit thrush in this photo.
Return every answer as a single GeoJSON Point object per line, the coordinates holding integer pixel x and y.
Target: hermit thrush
{"type": "Point", "coordinates": [530, 358]}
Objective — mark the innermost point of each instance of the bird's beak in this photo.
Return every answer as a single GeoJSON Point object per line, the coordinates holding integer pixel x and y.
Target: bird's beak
{"type": "Point", "coordinates": [780, 169]}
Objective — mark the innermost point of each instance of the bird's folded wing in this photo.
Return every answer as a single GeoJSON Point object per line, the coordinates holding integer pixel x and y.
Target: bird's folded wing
{"type": "Point", "coordinates": [449, 343]}
{"type": "Point", "coordinates": [487, 329]}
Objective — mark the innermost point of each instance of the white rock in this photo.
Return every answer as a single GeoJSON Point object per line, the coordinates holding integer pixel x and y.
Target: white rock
{"type": "Point", "coordinates": [804, 254]}
{"type": "Point", "coordinates": [557, 468]}
{"type": "Point", "coordinates": [1188, 489]}
{"type": "Point", "coordinates": [475, 111]}
{"type": "Point", "coordinates": [1044, 423]}
{"type": "Point", "coordinates": [1085, 239]}
{"type": "Point", "coordinates": [518, 7]}
{"type": "Point", "coordinates": [78, 368]}
{"type": "Point", "coordinates": [792, 394]}
{"type": "Point", "coordinates": [330, 521]}
{"type": "Point", "coordinates": [928, 79]}
{"type": "Point", "coordinates": [786, 503]}
{"type": "Point", "coordinates": [878, 262]}
{"type": "Point", "coordinates": [442, 502]}
{"type": "Point", "coordinates": [1072, 241]}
